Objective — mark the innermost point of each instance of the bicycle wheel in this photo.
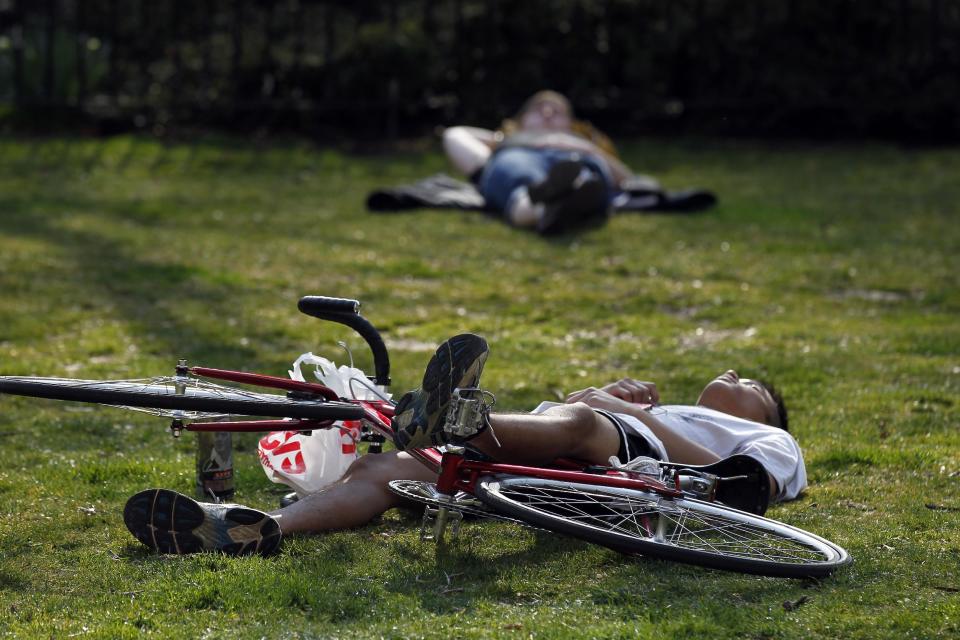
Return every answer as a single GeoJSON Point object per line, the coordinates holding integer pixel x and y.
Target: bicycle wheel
{"type": "Point", "coordinates": [683, 530]}
{"type": "Point", "coordinates": [194, 399]}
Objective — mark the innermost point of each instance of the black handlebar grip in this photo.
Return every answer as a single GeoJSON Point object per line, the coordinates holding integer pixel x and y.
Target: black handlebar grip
{"type": "Point", "coordinates": [346, 311]}
{"type": "Point", "coordinates": [322, 304]}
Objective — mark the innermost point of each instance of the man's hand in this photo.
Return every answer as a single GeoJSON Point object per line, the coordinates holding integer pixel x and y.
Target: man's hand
{"type": "Point", "coordinates": [627, 389]}
{"type": "Point", "coordinates": [600, 399]}
{"type": "Point", "coordinates": [618, 397]}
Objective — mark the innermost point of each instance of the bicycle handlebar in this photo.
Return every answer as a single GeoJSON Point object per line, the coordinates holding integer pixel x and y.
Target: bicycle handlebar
{"type": "Point", "coordinates": [347, 312]}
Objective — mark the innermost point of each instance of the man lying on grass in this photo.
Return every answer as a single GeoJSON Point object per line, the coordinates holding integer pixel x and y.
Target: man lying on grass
{"type": "Point", "coordinates": [732, 416]}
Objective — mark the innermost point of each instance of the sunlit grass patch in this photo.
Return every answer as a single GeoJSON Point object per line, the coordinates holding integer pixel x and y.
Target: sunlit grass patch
{"type": "Point", "coordinates": [829, 270]}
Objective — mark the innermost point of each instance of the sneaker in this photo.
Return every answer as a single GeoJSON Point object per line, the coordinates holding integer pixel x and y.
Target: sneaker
{"type": "Point", "coordinates": [584, 205]}
{"type": "Point", "coordinates": [419, 416]}
{"type": "Point", "coordinates": [559, 181]}
{"type": "Point", "coordinates": [170, 522]}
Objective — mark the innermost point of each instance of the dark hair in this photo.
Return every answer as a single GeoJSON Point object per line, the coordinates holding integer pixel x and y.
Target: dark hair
{"type": "Point", "coordinates": [781, 418]}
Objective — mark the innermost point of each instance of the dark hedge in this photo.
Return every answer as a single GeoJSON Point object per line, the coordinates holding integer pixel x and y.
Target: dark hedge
{"type": "Point", "coordinates": [366, 69]}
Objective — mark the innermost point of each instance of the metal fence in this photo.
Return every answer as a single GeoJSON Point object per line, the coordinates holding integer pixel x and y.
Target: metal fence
{"type": "Point", "coordinates": [391, 68]}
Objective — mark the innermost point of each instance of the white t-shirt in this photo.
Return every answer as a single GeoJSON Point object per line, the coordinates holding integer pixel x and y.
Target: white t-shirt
{"type": "Point", "coordinates": [726, 436]}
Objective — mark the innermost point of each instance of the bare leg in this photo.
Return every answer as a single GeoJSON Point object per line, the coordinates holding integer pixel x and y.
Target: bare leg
{"type": "Point", "coordinates": [359, 496]}
{"type": "Point", "coordinates": [569, 430]}
{"type": "Point", "coordinates": [573, 430]}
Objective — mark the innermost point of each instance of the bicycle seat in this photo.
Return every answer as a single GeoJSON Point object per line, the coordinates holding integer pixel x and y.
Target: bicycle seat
{"type": "Point", "coordinates": [747, 486]}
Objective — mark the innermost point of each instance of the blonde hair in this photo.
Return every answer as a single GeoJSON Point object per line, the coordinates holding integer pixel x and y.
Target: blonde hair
{"type": "Point", "coordinates": [580, 128]}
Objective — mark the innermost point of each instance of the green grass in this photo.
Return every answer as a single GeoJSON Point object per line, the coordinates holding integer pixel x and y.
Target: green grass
{"type": "Point", "coordinates": [831, 270]}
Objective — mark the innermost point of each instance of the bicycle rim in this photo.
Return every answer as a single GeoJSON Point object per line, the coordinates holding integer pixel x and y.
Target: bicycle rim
{"type": "Point", "coordinates": [179, 398]}
{"type": "Point", "coordinates": [682, 530]}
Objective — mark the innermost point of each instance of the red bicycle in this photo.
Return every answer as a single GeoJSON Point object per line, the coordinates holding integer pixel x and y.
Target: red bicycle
{"type": "Point", "coordinates": [709, 516]}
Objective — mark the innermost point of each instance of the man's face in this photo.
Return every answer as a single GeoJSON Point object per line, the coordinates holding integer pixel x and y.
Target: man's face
{"type": "Point", "coordinates": [546, 115]}
{"type": "Point", "coordinates": [741, 397]}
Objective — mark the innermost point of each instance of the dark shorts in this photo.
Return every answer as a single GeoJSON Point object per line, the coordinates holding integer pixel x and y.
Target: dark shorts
{"type": "Point", "coordinates": [632, 445]}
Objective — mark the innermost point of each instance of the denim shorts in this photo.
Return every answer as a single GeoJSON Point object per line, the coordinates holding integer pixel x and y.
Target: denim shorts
{"type": "Point", "coordinates": [512, 167]}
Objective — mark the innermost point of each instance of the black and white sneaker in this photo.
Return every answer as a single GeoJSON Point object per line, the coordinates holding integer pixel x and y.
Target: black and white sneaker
{"type": "Point", "coordinates": [560, 181]}
{"type": "Point", "coordinates": [170, 522]}
{"type": "Point", "coordinates": [419, 416]}
{"type": "Point", "coordinates": [582, 206]}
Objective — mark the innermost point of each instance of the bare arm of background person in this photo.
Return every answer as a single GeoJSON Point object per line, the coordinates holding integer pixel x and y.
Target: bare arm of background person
{"type": "Point", "coordinates": [469, 148]}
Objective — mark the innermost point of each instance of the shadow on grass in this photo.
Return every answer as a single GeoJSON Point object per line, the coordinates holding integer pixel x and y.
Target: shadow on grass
{"type": "Point", "coordinates": [360, 578]}
{"type": "Point", "coordinates": [463, 581]}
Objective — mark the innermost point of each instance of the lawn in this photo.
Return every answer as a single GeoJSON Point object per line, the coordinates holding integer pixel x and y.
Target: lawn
{"type": "Point", "coordinates": [829, 269]}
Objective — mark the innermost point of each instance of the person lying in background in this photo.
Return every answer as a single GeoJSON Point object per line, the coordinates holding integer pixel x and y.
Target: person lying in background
{"type": "Point", "coordinates": [543, 169]}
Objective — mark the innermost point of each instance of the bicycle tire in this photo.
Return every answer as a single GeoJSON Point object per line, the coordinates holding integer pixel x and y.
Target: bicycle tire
{"type": "Point", "coordinates": [160, 396]}
{"type": "Point", "coordinates": [682, 530]}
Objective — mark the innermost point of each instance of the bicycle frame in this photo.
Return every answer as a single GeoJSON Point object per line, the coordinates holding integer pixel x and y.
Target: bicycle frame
{"type": "Point", "coordinates": [456, 472]}
{"type": "Point", "coordinates": [460, 474]}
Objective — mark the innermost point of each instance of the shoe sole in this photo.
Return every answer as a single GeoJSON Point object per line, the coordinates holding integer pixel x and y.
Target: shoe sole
{"type": "Point", "coordinates": [559, 181]}
{"type": "Point", "coordinates": [170, 522]}
{"type": "Point", "coordinates": [457, 364]}
{"type": "Point", "coordinates": [584, 205]}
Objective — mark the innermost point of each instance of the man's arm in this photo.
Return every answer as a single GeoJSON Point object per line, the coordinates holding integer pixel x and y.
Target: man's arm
{"type": "Point", "coordinates": [679, 448]}
{"type": "Point", "coordinates": [629, 389]}
{"type": "Point", "coordinates": [637, 393]}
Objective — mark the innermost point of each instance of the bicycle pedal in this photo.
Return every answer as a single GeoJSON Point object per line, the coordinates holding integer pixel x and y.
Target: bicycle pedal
{"type": "Point", "coordinates": [469, 412]}
{"type": "Point", "coordinates": [435, 522]}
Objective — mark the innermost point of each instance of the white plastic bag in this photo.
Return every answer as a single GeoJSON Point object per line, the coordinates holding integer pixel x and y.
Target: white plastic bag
{"type": "Point", "coordinates": [308, 463]}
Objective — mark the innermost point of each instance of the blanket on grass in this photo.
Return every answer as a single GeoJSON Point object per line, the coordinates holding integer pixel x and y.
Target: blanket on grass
{"type": "Point", "coordinates": [440, 191]}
